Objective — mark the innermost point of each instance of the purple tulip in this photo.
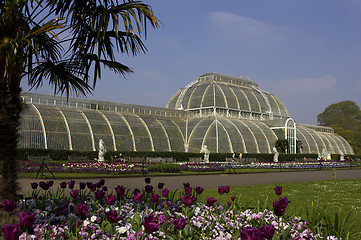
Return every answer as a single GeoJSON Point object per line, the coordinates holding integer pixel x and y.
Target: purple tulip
{"type": "Point", "coordinates": [226, 189]}
{"type": "Point", "coordinates": [151, 224]}
{"type": "Point", "coordinates": [71, 184]}
{"type": "Point", "coordinates": [34, 185]}
{"type": "Point", "coordinates": [187, 200]}
{"type": "Point", "coordinates": [63, 185]}
{"type": "Point", "coordinates": [154, 197]}
{"type": "Point", "coordinates": [148, 188]}
{"type": "Point", "coordinates": [44, 185]}
{"type": "Point", "coordinates": [211, 201]}
{"type": "Point", "coordinates": [74, 193]}
{"type": "Point", "coordinates": [136, 191]}
{"type": "Point", "coordinates": [81, 209]}
{"type": "Point", "coordinates": [26, 219]}
{"type": "Point", "coordinates": [186, 185]}
{"type": "Point", "coordinates": [147, 180]}
{"type": "Point", "coordinates": [8, 206]}
{"type": "Point", "coordinates": [82, 185]}
{"type": "Point", "coordinates": [160, 185]}
{"type": "Point", "coordinates": [120, 190]}
{"type": "Point", "coordinates": [187, 191]}
{"type": "Point", "coordinates": [113, 217]}
{"type": "Point", "coordinates": [278, 190]}
{"type": "Point", "coordinates": [280, 206]}
{"type": "Point", "coordinates": [165, 192]}
{"type": "Point", "coordinates": [229, 204]}
{"type": "Point", "coordinates": [179, 223]}
{"type": "Point", "coordinates": [249, 233]}
{"type": "Point", "coordinates": [99, 194]}
{"type": "Point", "coordinates": [266, 232]}
{"type": "Point", "coordinates": [11, 231]}
{"type": "Point", "coordinates": [50, 183]}
{"type": "Point", "coordinates": [233, 198]}
{"type": "Point", "coordinates": [110, 199]}
{"type": "Point", "coordinates": [101, 182]}
{"type": "Point", "coordinates": [199, 190]}
{"type": "Point", "coordinates": [89, 184]}
{"type": "Point", "coordinates": [137, 198]}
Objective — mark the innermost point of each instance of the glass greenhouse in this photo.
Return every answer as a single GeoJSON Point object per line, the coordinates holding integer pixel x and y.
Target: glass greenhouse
{"type": "Point", "coordinates": [226, 114]}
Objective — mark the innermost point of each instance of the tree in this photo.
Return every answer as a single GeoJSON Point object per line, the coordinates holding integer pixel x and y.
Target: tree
{"type": "Point", "coordinates": [345, 118]}
{"type": "Point", "coordinates": [66, 43]}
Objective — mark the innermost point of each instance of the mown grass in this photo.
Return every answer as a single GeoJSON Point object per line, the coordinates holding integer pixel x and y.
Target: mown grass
{"type": "Point", "coordinates": [331, 195]}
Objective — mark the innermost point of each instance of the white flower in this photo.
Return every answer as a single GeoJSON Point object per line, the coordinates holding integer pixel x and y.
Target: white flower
{"type": "Point", "coordinates": [93, 218]}
{"type": "Point", "coordinates": [86, 222]}
{"type": "Point", "coordinates": [122, 230]}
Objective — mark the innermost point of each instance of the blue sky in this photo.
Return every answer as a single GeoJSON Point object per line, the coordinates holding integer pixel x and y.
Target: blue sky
{"type": "Point", "coordinates": [305, 52]}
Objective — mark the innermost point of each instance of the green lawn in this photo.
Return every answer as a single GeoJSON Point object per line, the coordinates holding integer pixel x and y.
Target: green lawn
{"type": "Point", "coordinates": [332, 195]}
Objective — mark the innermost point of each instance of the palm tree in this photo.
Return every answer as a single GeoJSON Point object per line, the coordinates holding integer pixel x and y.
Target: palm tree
{"type": "Point", "coordinates": [65, 43]}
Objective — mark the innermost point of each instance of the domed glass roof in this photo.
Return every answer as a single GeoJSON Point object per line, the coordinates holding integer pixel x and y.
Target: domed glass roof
{"type": "Point", "coordinates": [219, 91]}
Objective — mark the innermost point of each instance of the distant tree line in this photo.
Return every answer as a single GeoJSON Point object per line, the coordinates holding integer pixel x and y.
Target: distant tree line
{"type": "Point", "coordinates": [345, 118]}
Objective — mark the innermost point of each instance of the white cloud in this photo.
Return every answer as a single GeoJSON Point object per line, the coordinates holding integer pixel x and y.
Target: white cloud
{"type": "Point", "coordinates": [242, 26]}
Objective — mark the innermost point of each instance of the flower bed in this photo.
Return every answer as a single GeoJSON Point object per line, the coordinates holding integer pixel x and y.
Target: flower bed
{"type": "Point", "coordinates": [92, 211]}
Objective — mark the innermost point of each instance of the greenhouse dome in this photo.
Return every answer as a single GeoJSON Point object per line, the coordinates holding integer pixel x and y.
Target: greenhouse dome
{"type": "Point", "coordinates": [226, 114]}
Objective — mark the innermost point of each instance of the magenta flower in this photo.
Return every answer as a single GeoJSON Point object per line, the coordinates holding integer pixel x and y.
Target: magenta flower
{"type": "Point", "coordinates": [165, 192]}
{"type": "Point", "coordinates": [280, 206]}
{"type": "Point", "coordinates": [137, 198]}
{"type": "Point", "coordinates": [154, 197]}
{"type": "Point", "coordinates": [120, 190]}
{"type": "Point", "coordinates": [101, 182]}
{"type": "Point", "coordinates": [233, 198]}
{"type": "Point", "coordinates": [226, 189]}
{"type": "Point", "coordinates": [187, 191]}
{"type": "Point", "coordinates": [34, 185]}
{"type": "Point", "coordinates": [81, 209]}
{"type": "Point", "coordinates": [89, 185]}
{"type": "Point", "coordinates": [179, 223]}
{"type": "Point", "coordinates": [211, 201]}
{"type": "Point", "coordinates": [44, 185]}
{"type": "Point", "coordinates": [249, 233]}
{"type": "Point", "coordinates": [147, 180]}
{"type": "Point", "coordinates": [113, 217]}
{"type": "Point", "coordinates": [63, 185]}
{"type": "Point", "coordinates": [151, 224]}
{"type": "Point", "coordinates": [187, 200]}
{"type": "Point", "coordinates": [71, 184]}
{"type": "Point", "coordinates": [160, 185]}
{"type": "Point", "coordinates": [148, 188]}
{"type": "Point", "coordinates": [199, 190]}
{"type": "Point", "coordinates": [99, 194]}
{"type": "Point", "coordinates": [278, 190]}
{"type": "Point", "coordinates": [8, 206]}
{"type": "Point", "coordinates": [74, 193]}
{"type": "Point", "coordinates": [221, 190]}
{"type": "Point", "coordinates": [266, 232]}
{"type": "Point", "coordinates": [11, 231]}
{"type": "Point", "coordinates": [229, 204]}
{"type": "Point", "coordinates": [26, 219]}
{"type": "Point", "coordinates": [136, 191]}
{"type": "Point", "coordinates": [110, 199]}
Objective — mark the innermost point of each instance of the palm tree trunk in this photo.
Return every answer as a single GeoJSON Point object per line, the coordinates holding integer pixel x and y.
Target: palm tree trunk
{"type": "Point", "coordinates": [10, 108]}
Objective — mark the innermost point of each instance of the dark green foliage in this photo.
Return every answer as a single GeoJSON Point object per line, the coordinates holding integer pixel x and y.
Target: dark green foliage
{"type": "Point", "coordinates": [345, 118]}
{"type": "Point", "coordinates": [164, 167]}
{"type": "Point", "coordinates": [281, 145]}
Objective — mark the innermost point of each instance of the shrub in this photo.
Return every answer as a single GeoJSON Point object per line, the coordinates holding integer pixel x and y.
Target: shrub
{"type": "Point", "coordinates": [164, 167]}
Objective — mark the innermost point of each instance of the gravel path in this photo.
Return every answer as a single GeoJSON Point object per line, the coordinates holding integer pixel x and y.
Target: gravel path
{"type": "Point", "coordinates": [213, 181]}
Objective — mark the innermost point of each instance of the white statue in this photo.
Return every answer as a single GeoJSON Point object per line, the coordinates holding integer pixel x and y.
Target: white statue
{"type": "Point", "coordinates": [324, 154]}
{"type": "Point", "coordinates": [102, 151]}
{"type": "Point", "coordinates": [276, 154]}
{"type": "Point", "coordinates": [206, 153]}
{"type": "Point", "coordinates": [342, 156]}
